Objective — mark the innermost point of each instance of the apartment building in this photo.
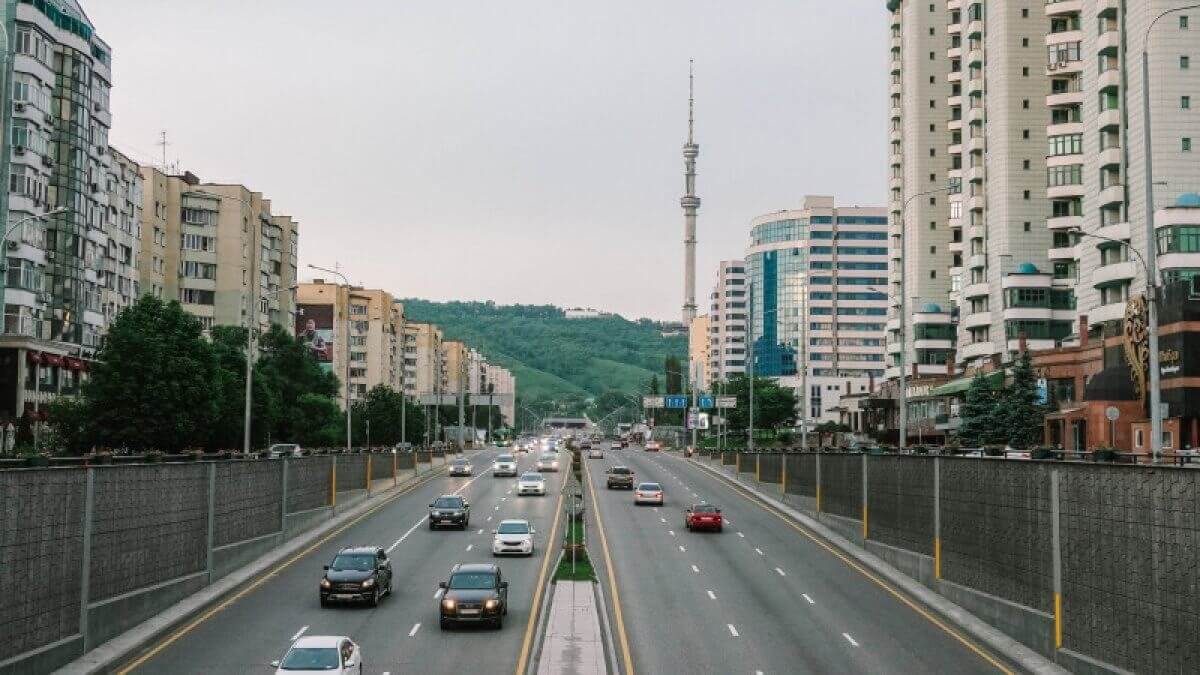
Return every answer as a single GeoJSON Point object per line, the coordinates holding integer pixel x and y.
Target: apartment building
{"type": "Point", "coordinates": [423, 361]}
{"type": "Point", "coordinates": [119, 280]}
{"type": "Point", "coordinates": [817, 278]}
{"type": "Point", "coordinates": [376, 332]}
{"type": "Point", "coordinates": [727, 322]}
{"type": "Point", "coordinates": [503, 384]}
{"type": "Point", "coordinates": [699, 351]}
{"type": "Point", "coordinates": [456, 357]}
{"type": "Point", "coordinates": [219, 250]}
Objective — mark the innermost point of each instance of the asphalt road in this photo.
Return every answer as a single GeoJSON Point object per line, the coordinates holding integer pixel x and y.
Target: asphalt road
{"type": "Point", "coordinates": [402, 634]}
{"type": "Point", "coordinates": [758, 598]}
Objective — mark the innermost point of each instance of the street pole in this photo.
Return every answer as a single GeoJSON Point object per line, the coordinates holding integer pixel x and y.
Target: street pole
{"type": "Point", "coordinates": [462, 368]}
{"type": "Point", "coordinates": [695, 406]}
{"type": "Point", "coordinates": [804, 401]}
{"type": "Point", "coordinates": [751, 368]}
{"type": "Point", "coordinates": [346, 337]}
{"type": "Point", "coordinates": [368, 423]}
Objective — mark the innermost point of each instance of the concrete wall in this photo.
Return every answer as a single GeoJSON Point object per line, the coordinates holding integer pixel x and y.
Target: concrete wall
{"type": "Point", "coordinates": [87, 553]}
{"type": "Point", "coordinates": [1120, 545]}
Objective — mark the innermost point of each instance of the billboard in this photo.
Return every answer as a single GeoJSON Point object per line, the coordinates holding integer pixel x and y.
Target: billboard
{"type": "Point", "coordinates": [314, 328]}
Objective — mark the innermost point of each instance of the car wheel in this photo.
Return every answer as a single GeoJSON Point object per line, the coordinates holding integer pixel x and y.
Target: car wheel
{"type": "Point", "coordinates": [443, 624]}
{"type": "Point", "coordinates": [431, 524]}
{"type": "Point", "coordinates": [719, 528]}
{"type": "Point", "coordinates": [324, 602]}
{"type": "Point", "coordinates": [373, 601]}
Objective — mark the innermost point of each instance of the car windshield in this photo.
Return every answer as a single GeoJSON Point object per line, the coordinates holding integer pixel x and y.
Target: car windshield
{"type": "Point", "coordinates": [472, 580]}
{"type": "Point", "coordinates": [513, 528]}
{"type": "Point", "coordinates": [459, 462]}
{"type": "Point", "coordinates": [704, 508]}
{"type": "Point", "coordinates": [311, 658]}
{"type": "Point", "coordinates": [621, 470]}
{"type": "Point", "coordinates": [353, 561]}
{"type": "Point", "coordinates": [549, 455]}
{"type": "Point", "coordinates": [531, 477]}
{"type": "Point", "coordinates": [650, 487]}
{"type": "Point", "coordinates": [448, 503]}
{"type": "Point", "coordinates": [504, 458]}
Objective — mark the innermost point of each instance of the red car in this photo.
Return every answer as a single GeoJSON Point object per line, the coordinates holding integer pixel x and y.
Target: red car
{"type": "Point", "coordinates": [703, 517]}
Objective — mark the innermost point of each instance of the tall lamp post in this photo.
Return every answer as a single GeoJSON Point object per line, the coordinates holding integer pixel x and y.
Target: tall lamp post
{"type": "Point", "coordinates": [347, 339]}
{"type": "Point", "coordinates": [250, 349]}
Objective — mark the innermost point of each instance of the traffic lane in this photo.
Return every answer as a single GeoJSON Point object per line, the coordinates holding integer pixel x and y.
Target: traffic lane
{"type": "Point", "coordinates": [256, 628]}
{"type": "Point", "coordinates": [876, 622]}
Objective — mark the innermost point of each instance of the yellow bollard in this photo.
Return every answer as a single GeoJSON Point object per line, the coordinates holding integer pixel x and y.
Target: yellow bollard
{"type": "Point", "coordinates": [758, 468]}
{"type": "Point", "coordinates": [395, 481]}
{"type": "Point", "coordinates": [333, 483]}
{"type": "Point", "coordinates": [369, 458]}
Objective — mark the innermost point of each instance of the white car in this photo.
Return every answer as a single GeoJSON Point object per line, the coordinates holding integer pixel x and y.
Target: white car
{"type": "Point", "coordinates": [548, 461]}
{"type": "Point", "coordinates": [596, 453]}
{"type": "Point", "coordinates": [648, 493]}
{"type": "Point", "coordinates": [321, 655]}
{"type": "Point", "coordinates": [284, 450]}
{"type": "Point", "coordinates": [531, 484]}
{"type": "Point", "coordinates": [461, 467]}
{"type": "Point", "coordinates": [505, 465]}
{"type": "Point", "coordinates": [513, 536]}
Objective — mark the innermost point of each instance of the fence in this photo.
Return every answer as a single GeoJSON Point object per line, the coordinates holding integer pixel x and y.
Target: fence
{"type": "Point", "coordinates": [89, 552]}
{"type": "Point", "coordinates": [1092, 565]}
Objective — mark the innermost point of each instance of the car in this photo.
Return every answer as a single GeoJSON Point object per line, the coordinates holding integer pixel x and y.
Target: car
{"type": "Point", "coordinates": [503, 443]}
{"type": "Point", "coordinates": [548, 461]}
{"type": "Point", "coordinates": [449, 510]}
{"type": "Point", "coordinates": [474, 593]}
{"type": "Point", "coordinates": [324, 654]}
{"type": "Point", "coordinates": [653, 446]}
{"type": "Point", "coordinates": [461, 467]}
{"type": "Point", "coordinates": [620, 477]}
{"type": "Point", "coordinates": [596, 453]}
{"type": "Point", "coordinates": [615, 445]}
{"type": "Point", "coordinates": [703, 516]}
{"type": "Point", "coordinates": [504, 465]}
{"type": "Point", "coordinates": [284, 450]}
{"type": "Point", "coordinates": [585, 444]}
{"type": "Point", "coordinates": [648, 493]}
{"type": "Point", "coordinates": [357, 574]}
{"type": "Point", "coordinates": [531, 483]}
{"type": "Point", "coordinates": [513, 536]}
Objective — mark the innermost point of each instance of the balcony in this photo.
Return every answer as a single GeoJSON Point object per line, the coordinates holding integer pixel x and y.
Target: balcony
{"type": "Point", "coordinates": [933, 344]}
{"type": "Point", "coordinates": [975, 203]}
{"type": "Point", "coordinates": [896, 43]}
{"type": "Point", "coordinates": [954, 53]}
{"type": "Point", "coordinates": [895, 183]}
{"type": "Point", "coordinates": [953, 28]}
{"type": "Point", "coordinates": [1109, 79]}
{"type": "Point", "coordinates": [1109, 119]}
{"type": "Point", "coordinates": [894, 135]}
{"type": "Point", "coordinates": [1062, 253]}
{"type": "Point", "coordinates": [1064, 36]}
{"type": "Point", "coordinates": [895, 65]}
{"type": "Point", "coordinates": [1033, 345]}
{"type": "Point", "coordinates": [1065, 98]}
{"type": "Point", "coordinates": [974, 57]}
{"type": "Point", "coordinates": [973, 174]}
{"type": "Point", "coordinates": [1109, 42]}
{"type": "Point", "coordinates": [975, 144]}
{"type": "Point", "coordinates": [1113, 194]}
{"type": "Point", "coordinates": [1110, 157]}
{"type": "Point", "coordinates": [1064, 68]}
{"type": "Point", "coordinates": [895, 113]}
{"type": "Point", "coordinates": [1113, 231]}
{"type": "Point", "coordinates": [955, 247]}
{"type": "Point", "coordinates": [978, 290]}
{"type": "Point", "coordinates": [975, 28]}
{"type": "Point", "coordinates": [1064, 128]}
{"type": "Point", "coordinates": [975, 350]}
{"type": "Point", "coordinates": [1064, 222]}
{"type": "Point", "coordinates": [954, 125]}
{"type": "Point", "coordinates": [1115, 272]}
{"type": "Point", "coordinates": [1064, 191]}
{"type": "Point", "coordinates": [1111, 312]}
{"type": "Point", "coordinates": [1063, 7]}
{"type": "Point", "coordinates": [894, 89]}
{"type": "Point", "coordinates": [954, 101]}
{"type": "Point", "coordinates": [954, 76]}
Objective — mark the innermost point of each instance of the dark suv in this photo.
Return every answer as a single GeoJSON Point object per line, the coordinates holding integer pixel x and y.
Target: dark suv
{"type": "Point", "coordinates": [620, 477]}
{"type": "Point", "coordinates": [475, 593]}
{"type": "Point", "coordinates": [359, 573]}
{"type": "Point", "coordinates": [449, 510]}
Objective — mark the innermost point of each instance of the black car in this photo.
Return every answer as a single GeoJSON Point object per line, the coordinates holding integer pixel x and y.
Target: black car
{"type": "Point", "coordinates": [449, 510]}
{"type": "Point", "coordinates": [357, 574]}
{"type": "Point", "coordinates": [620, 477]}
{"type": "Point", "coordinates": [475, 593]}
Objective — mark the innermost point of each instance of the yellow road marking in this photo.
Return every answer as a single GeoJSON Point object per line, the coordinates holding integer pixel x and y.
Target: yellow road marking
{"type": "Point", "coordinates": [527, 642]}
{"type": "Point", "coordinates": [211, 612]}
{"type": "Point", "coordinates": [612, 578]}
{"type": "Point", "coordinates": [879, 582]}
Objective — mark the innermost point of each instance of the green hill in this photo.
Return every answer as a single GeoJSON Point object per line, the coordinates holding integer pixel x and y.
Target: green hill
{"type": "Point", "coordinates": [550, 355]}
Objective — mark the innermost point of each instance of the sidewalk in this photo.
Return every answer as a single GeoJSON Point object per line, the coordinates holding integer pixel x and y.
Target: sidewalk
{"type": "Point", "coordinates": [572, 644]}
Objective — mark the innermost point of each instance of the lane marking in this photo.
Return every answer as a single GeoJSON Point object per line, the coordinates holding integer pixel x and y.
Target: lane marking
{"type": "Point", "coordinates": [732, 630]}
{"type": "Point", "coordinates": [780, 572]}
{"type": "Point", "coordinates": [849, 639]}
{"type": "Point", "coordinates": [671, 532]}
{"type": "Point", "coordinates": [663, 519]}
{"type": "Point", "coordinates": [695, 569]}
{"type": "Point", "coordinates": [741, 535]}
{"type": "Point", "coordinates": [527, 641]}
{"type": "Point", "coordinates": [437, 595]}
{"type": "Point", "coordinates": [682, 549]}
{"type": "Point", "coordinates": [299, 633]}
{"type": "Point", "coordinates": [480, 531]}
{"type": "Point", "coordinates": [405, 535]}
{"type": "Point", "coordinates": [471, 546]}
{"type": "Point", "coordinates": [810, 600]}
{"type": "Point", "coordinates": [627, 658]}
{"type": "Point", "coordinates": [489, 519]}
{"type": "Point", "coordinates": [416, 627]}
{"type": "Point", "coordinates": [497, 507]}
{"type": "Point", "coordinates": [711, 595]}
{"type": "Point", "coordinates": [758, 551]}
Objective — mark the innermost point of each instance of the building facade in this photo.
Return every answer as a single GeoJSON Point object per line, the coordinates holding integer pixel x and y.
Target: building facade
{"type": "Point", "coordinates": [698, 351]}
{"type": "Point", "coordinates": [727, 322]}
{"type": "Point", "coordinates": [423, 360]}
{"type": "Point", "coordinates": [818, 276]}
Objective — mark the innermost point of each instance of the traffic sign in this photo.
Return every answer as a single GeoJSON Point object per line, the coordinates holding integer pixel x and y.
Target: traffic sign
{"type": "Point", "coordinates": [676, 401]}
{"type": "Point", "coordinates": [727, 402]}
{"type": "Point", "coordinates": [652, 402]}
{"type": "Point", "coordinates": [706, 401]}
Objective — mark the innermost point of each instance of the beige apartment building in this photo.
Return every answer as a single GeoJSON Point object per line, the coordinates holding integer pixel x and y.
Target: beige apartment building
{"type": "Point", "coordinates": [698, 350]}
{"type": "Point", "coordinates": [423, 360]}
{"type": "Point", "coordinates": [456, 367]}
{"type": "Point", "coordinates": [727, 322]}
{"type": "Point", "coordinates": [219, 250]}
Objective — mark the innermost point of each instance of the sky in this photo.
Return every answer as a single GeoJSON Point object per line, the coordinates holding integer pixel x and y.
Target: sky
{"type": "Point", "coordinates": [521, 151]}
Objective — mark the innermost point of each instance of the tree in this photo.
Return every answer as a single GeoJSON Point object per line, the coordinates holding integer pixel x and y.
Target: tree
{"type": "Point", "coordinates": [774, 405]}
{"type": "Point", "coordinates": [654, 385]}
{"type": "Point", "coordinates": [673, 372]}
{"type": "Point", "coordinates": [324, 422]}
{"type": "Point", "coordinates": [979, 424]}
{"type": "Point", "coordinates": [290, 372]}
{"type": "Point", "coordinates": [382, 407]}
{"type": "Point", "coordinates": [1019, 410]}
{"type": "Point", "coordinates": [228, 429]}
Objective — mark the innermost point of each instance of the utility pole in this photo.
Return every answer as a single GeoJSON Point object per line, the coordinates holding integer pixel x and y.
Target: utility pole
{"type": "Point", "coordinates": [462, 370]}
{"type": "Point", "coordinates": [750, 367]}
{"type": "Point", "coordinates": [695, 405]}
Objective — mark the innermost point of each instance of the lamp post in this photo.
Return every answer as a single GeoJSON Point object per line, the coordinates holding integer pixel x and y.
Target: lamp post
{"type": "Point", "coordinates": [1151, 264]}
{"type": "Point", "coordinates": [347, 339]}
{"type": "Point", "coordinates": [250, 374]}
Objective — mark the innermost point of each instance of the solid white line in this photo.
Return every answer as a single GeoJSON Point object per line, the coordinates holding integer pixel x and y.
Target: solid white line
{"type": "Point", "coordinates": [712, 595]}
{"type": "Point", "coordinates": [810, 600]}
{"type": "Point", "coordinates": [405, 535]}
{"type": "Point", "coordinates": [416, 627]}
{"type": "Point", "coordinates": [849, 639]}
{"type": "Point", "coordinates": [471, 546]}
{"type": "Point", "coordinates": [758, 551]}
{"type": "Point", "coordinates": [299, 633]}
{"type": "Point", "coordinates": [732, 630]}
{"type": "Point", "coordinates": [671, 532]}
{"type": "Point", "coordinates": [780, 572]}
{"type": "Point", "coordinates": [741, 535]}
{"type": "Point", "coordinates": [695, 569]}
{"type": "Point", "coordinates": [682, 549]}
{"type": "Point", "coordinates": [757, 672]}
{"type": "Point", "coordinates": [489, 519]}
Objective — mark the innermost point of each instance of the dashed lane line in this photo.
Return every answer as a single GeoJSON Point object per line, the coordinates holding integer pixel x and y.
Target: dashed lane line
{"type": "Point", "coordinates": [810, 600]}
{"type": "Point", "coordinates": [299, 633]}
{"type": "Point", "coordinates": [711, 595]}
{"type": "Point", "coordinates": [849, 639]}
{"type": "Point", "coordinates": [416, 627]}
{"type": "Point", "coordinates": [732, 631]}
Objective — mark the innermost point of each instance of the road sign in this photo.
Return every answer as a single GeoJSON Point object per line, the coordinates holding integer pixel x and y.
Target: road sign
{"type": "Point", "coordinates": [675, 401]}
{"type": "Point", "coordinates": [705, 401]}
{"type": "Point", "coordinates": [652, 402]}
{"type": "Point", "coordinates": [727, 402]}
{"type": "Point", "coordinates": [1112, 413]}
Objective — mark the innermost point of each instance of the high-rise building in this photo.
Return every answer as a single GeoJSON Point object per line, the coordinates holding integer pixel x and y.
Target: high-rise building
{"type": "Point", "coordinates": [422, 359]}
{"type": "Point", "coordinates": [817, 278]}
{"type": "Point", "coordinates": [698, 351]}
{"type": "Point", "coordinates": [727, 322]}
{"type": "Point", "coordinates": [503, 384]}
{"type": "Point", "coordinates": [456, 357]}
{"type": "Point", "coordinates": [119, 280]}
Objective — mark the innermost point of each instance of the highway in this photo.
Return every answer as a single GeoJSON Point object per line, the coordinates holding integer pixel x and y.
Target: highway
{"type": "Point", "coordinates": [402, 634]}
{"type": "Point", "coordinates": [759, 598]}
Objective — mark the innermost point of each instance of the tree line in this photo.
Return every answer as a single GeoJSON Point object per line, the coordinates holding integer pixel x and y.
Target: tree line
{"type": "Point", "coordinates": [1012, 415]}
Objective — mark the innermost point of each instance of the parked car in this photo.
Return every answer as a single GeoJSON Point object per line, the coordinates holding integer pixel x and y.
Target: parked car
{"type": "Point", "coordinates": [620, 477]}
{"type": "Point", "coordinates": [357, 574]}
{"type": "Point", "coordinates": [703, 517]}
{"type": "Point", "coordinates": [449, 510]}
{"type": "Point", "coordinates": [474, 593]}
{"type": "Point", "coordinates": [513, 536]}
{"type": "Point", "coordinates": [325, 654]}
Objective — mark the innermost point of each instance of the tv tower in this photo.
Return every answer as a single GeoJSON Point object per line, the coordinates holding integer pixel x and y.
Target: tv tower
{"type": "Point", "coordinates": [690, 202]}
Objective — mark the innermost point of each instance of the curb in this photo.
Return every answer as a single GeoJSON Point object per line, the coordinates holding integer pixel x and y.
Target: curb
{"type": "Point", "coordinates": [610, 650]}
{"type": "Point", "coordinates": [108, 657]}
{"type": "Point", "coordinates": [539, 635]}
{"type": "Point", "coordinates": [999, 642]}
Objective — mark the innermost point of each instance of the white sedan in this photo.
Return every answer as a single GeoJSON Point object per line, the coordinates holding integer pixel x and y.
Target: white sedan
{"type": "Point", "coordinates": [548, 461]}
{"type": "Point", "coordinates": [596, 453]}
{"type": "Point", "coordinates": [531, 484]}
{"type": "Point", "coordinates": [321, 654]}
{"type": "Point", "coordinates": [648, 493]}
{"type": "Point", "coordinates": [513, 536]}
{"type": "Point", "coordinates": [505, 465]}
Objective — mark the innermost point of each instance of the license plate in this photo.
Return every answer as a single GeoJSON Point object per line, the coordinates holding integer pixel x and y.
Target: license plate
{"type": "Point", "coordinates": [468, 612]}
{"type": "Point", "coordinates": [446, 520]}
{"type": "Point", "coordinates": [342, 596]}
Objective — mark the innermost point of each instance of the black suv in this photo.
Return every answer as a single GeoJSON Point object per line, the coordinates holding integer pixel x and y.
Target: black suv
{"type": "Point", "coordinates": [475, 593]}
{"type": "Point", "coordinates": [449, 510]}
{"type": "Point", "coordinates": [620, 477]}
{"type": "Point", "coordinates": [359, 573]}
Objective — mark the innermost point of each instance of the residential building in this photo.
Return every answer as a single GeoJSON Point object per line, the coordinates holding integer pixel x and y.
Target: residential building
{"type": "Point", "coordinates": [503, 385]}
{"type": "Point", "coordinates": [423, 361]}
{"type": "Point", "coordinates": [119, 281]}
{"type": "Point", "coordinates": [698, 351]}
{"type": "Point", "coordinates": [219, 250]}
{"type": "Point", "coordinates": [727, 322]}
{"type": "Point", "coordinates": [584, 313]}
{"type": "Point", "coordinates": [817, 278]}
{"type": "Point", "coordinates": [376, 330]}
{"type": "Point", "coordinates": [456, 365]}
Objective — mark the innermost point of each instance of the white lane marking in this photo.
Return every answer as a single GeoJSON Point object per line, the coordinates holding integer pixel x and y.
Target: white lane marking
{"type": "Point", "coordinates": [732, 630]}
{"type": "Point", "coordinates": [405, 535]}
{"type": "Point", "coordinates": [712, 595]}
{"type": "Point", "coordinates": [849, 639]}
{"type": "Point", "coordinates": [810, 600]}
{"type": "Point", "coordinates": [497, 508]}
{"type": "Point", "coordinates": [728, 521]}
{"type": "Point", "coordinates": [504, 499]}
{"type": "Point", "coordinates": [663, 519]}
{"type": "Point", "coordinates": [695, 569]}
{"type": "Point", "coordinates": [299, 633]}
{"type": "Point", "coordinates": [509, 492]}
{"type": "Point", "coordinates": [741, 535]}
{"type": "Point", "coordinates": [416, 627]}
{"type": "Point", "coordinates": [480, 531]}
{"type": "Point", "coordinates": [758, 551]}
{"type": "Point", "coordinates": [757, 672]}
{"type": "Point", "coordinates": [437, 595]}
{"type": "Point", "coordinates": [682, 549]}
{"type": "Point", "coordinates": [489, 519]}
{"type": "Point", "coordinates": [671, 532]}
{"type": "Point", "coordinates": [780, 572]}
{"type": "Point", "coordinates": [471, 546]}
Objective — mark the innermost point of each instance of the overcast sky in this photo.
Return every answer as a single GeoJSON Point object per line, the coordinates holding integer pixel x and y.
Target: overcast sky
{"type": "Point", "coordinates": [518, 150]}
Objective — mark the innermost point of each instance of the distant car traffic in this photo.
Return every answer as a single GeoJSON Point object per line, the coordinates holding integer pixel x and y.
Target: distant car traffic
{"type": "Point", "coordinates": [548, 461]}
{"type": "Point", "coordinates": [513, 536]}
{"type": "Point", "coordinates": [531, 484]}
{"type": "Point", "coordinates": [615, 445]}
{"type": "Point", "coordinates": [596, 453]}
{"type": "Point", "coordinates": [323, 654]}
{"type": "Point", "coordinates": [474, 593]}
{"type": "Point", "coordinates": [357, 574]}
{"type": "Point", "coordinates": [620, 477]}
{"type": "Point", "coordinates": [280, 450]}
{"type": "Point", "coordinates": [505, 465]}
{"type": "Point", "coordinates": [703, 517]}
{"type": "Point", "coordinates": [461, 467]}
{"type": "Point", "coordinates": [653, 446]}
{"type": "Point", "coordinates": [648, 493]}
{"type": "Point", "coordinates": [449, 510]}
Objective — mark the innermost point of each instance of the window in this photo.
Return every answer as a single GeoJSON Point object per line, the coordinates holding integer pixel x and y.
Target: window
{"type": "Point", "coordinates": [1184, 63]}
{"type": "Point", "coordinates": [197, 242]}
{"type": "Point", "coordinates": [1025, 133]}
{"type": "Point", "coordinates": [1187, 145]}
{"type": "Point", "coordinates": [1183, 22]}
{"type": "Point", "coordinates": [199, 270]}
{"type": "Point", "coordinates": [1139, 439]}
{"type": "Point", "coordinates": [1067, 144]}
{"type": "Point", "coordinates": [199, 217]}
{"type": "Point", "coordinates": [1024, 42]}
{"type": "Point", "coordinates": [196, 296]}
{"type": "Point", "coordinates": [1070, 174]}
{"type": "Point", "coordinates": [1185, 102]}
{"type": "Point", "coordinates": [1025, 71]}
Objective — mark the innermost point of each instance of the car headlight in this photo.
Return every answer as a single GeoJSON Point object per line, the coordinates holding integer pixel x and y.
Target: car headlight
{"type": "Point", "coordinates": [325, 583]}
{"type": "Point", "coordinates": [490, 604]}
{"type": "Point", "coordinates": [448, 603]}
{"type": "Point", "coordinates": [368, 583]}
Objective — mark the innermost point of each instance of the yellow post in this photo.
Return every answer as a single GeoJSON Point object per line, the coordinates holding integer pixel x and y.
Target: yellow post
{"type": "Point", "coordinates": [783, 475]}
{"type": "Point", "coordinates": [369, 458]}
{"type": "Point", "coordinates": [737, 462]}
{"type": "Point", "coordinates": [333, 483]}
{"type": "Point", "coordinates": [758, 468]}
{"type": "Point", "coordinates": [864, 522]}
{"type": "Point", "coordinates": [937, 557]}
{"type": "Point", "coordinates": [1058, 620]}
{"type": "Point", "coordinates": [395, 481]}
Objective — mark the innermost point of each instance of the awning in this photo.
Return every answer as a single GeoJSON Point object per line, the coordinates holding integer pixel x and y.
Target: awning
{"type": "Point", "coordinates": [72, 363]}
{"type": "Point", "coordinates": [52, 359]}
{"type": "Point", "coordinates": [33, 356]}
{"type": "Point", "coordinates": [994, 379]}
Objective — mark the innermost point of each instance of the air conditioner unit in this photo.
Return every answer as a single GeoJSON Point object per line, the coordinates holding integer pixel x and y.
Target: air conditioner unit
{"type": "Point", "coordinates": [13, 245]}
{"type": "Point", "coordinates": [19, 107]}
{"type": "Point", "coordinates": [47, 161]}
{"type": "Point", "coordinates": [96, 106]}
{"type": "Point", "coordinates": [20, 149]}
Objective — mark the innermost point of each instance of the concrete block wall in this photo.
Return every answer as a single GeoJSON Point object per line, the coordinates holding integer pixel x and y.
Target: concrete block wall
{"type": "Point", "coordinates": [248, 501]}
{"type": "Point", "coordinates": [900, 503]}
{"type": "Point", "coordinates": [308, 483]}
{"type": "Point", "coordinates": [841, 485]}
{"type": "Point", "coordinates": [351, 472]}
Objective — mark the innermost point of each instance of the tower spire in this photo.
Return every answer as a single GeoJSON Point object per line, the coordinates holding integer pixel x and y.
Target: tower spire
{"type": "Point", "coordinates": [690, 203]}
{"type": "Point", "coordinates": [691, 98]}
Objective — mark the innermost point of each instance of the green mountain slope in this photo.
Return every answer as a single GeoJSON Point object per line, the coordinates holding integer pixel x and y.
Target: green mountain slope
{"type": "Point", "coordinates": [550, 355]}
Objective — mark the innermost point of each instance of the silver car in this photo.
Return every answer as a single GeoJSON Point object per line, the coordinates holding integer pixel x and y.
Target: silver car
{"type": "Point", "coordinates": [531, 484]}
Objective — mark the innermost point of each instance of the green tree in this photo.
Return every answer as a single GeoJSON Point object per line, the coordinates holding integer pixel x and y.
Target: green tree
{"type": "Point", "coordinates": [290, 372]}
{"type": "Point", "coordinates": [382, 407]}
{"type": "Point", "coordinates": [71, 424]}
{"type": "Point", "coordinates": [227, 431]}
{"type": "Point", "coordinates": [1019, 411]}
{"type": "Point", "coordinates": [774, 406]}
{"type": "Point", "coordinates": [653, 386]}
{"type": "Point", "coordinates": [325, 423]}
{"type": "Point", "coordinates": [978, 414]}
{"type": "Point", "coordinates": [673, 372]}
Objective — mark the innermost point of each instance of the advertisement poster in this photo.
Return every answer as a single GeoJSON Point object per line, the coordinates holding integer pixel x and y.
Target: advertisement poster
{"type": "Point", "coordinates": [314, 327]}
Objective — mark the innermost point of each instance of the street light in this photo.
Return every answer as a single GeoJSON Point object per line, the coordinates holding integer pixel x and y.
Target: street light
{"type": "Point", "coordinates": [347, 338]}
{"type": "Point", "coordinates": [250, 372]}
{"type": "Point", "coordinates": [1151, 264]}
